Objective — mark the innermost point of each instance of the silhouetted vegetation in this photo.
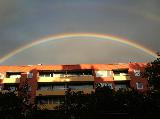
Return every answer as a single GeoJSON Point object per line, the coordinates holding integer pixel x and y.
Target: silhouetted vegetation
{"type": "Point", "coordinates": [78, 105]}
{"type": "Point", "coordinates": [126, 103]}
{"type": "Point", "coordinates": [153, 74]}
{"type": "Point", "coordinates": [10, 106]}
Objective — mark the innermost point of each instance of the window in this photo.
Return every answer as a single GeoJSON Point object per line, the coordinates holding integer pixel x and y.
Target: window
{"type": "Point", "coordinates": [1, 87]}
{"type": "Point", "coordinates": [58, 87]}
{"type": "Point", "coordinates": [13, 74]}
{"type": "Point", "coordinates": [51, 100]}
{"type": "Point", "coordinates": [29, 75]}
{"type": "Point", "coordinates": [1, 76]}
{"type": "Point", "coordinates": [120, 86]}
{"type": "Point", "coordinates": [139, 85]}
{"type": "Point", "coordinates": [46, 74]}
{"type": "Point", "coordinates": [45, 87]}
{"type": "Point", "coordinates": [59, 73]}
{"type": "Point", "coordinates": [120, 72]}
{"type": "Point", "coordinates": [51, 87]}
{"type": "Point", "coordinates": [43, 101]}
{"type": "Point", "coordinates": [137, 72]}
{"type": "Point", "coordinates": [104, 84]}
{"type": "Point", "coordinates": [10, 87]}
{"type": "Point", "coordinates": [65, 73]}
{"type": "Point", "coordinates": [104, 73]}
{"type": "Point", "coordinates": [13, 88]}
{"type": "Point", "coordinates": [109, 73]}
{"type": "Point", "coordinates": [80, 87]}
{"type": "Point", "coordinates": [79, 73]}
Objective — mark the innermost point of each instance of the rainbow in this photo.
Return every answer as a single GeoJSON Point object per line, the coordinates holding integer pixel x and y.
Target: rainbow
{"type": "Point", "coordinates": [78, 35]}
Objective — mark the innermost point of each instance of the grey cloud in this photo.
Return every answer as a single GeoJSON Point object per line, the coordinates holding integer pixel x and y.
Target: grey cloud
{"type": "Point", "coordinates": [22, 22]}
{"type": "Point", "coordinates": [75, 51]}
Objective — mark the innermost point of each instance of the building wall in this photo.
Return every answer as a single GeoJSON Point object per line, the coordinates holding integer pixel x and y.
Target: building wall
{"type": "Point", "coordinates": [31, 82]}
{"type": "Point", "coordinates": [114, 75]}
{"type": "Point", "coordinates": [136, 72]}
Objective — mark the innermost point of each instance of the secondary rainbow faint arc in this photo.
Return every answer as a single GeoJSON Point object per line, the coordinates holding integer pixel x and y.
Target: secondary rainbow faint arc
{"type": "Point", "coordinates": [81, 35]}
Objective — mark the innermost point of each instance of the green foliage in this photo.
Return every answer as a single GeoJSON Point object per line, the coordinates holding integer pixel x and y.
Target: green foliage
{"type": "Point", "coordinates": [153, 73]}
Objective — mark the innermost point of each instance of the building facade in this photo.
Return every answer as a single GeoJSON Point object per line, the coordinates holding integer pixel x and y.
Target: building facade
{"type": "Point", "coordinates": [47, 84]}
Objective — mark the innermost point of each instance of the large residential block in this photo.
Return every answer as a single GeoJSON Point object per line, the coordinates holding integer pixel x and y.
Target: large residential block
{"type": "Point", "coordinates": [48, 83]}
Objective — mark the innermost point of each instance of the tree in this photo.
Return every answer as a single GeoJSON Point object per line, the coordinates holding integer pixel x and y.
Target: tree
{"type": "Point", "coordinates": [152, 72]}
{"type": "Point", "coordinates": [13, 106]}
{"type": "Point", "coordinates": [10, 106]}
{"type": "Point", "coordinates": [78, 105]}
{"type": "Point", "coordinates": [27, 107]}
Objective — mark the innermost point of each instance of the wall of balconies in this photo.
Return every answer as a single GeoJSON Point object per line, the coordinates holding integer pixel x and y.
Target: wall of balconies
{"type": "Point", "coordinates": [47, 106]}
{"type": "Point", "coordinates": [60, 92]}
{"type": "Point", "coordinates": [7, 91]}
{"type": "Point", "coordinates": [121, 78]}
{"type": "Point", "coordinates": [121, 75]}
{"type": "Point", "coordinates": [12, 77]}
{"type": "Point", "coordinates": [11, 80]}
{"type": "Point", "coordinates": [66, 79]}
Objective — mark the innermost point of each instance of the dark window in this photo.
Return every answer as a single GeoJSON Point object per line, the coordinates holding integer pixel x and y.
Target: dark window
{"type": "Point", "coordinates": [13, 74]}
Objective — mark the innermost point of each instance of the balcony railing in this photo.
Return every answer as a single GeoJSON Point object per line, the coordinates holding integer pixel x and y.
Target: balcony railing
{"type": "Point", "coordinates": [47, 106]}
{"type": "Point", "coordinates": [121, 77]}
{"type": "Point", "coordinates": [11, 80]}
{"type": "Point", "coordinates": [66, 79]}
{"type": "Point", "coordinates": [60, 92]}
{"type": "Point", "coordinates": [7, 91]}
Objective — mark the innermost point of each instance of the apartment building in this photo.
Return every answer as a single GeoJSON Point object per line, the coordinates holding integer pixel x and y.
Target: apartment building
{"type": "Point", "coordinates": [47, 84]}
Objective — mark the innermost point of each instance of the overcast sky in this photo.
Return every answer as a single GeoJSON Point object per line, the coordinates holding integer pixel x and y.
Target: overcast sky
{"type": "Point", "coordinates": [23, 21]}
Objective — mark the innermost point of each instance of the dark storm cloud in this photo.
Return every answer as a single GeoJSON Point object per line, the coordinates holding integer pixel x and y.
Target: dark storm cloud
{"type": "Point", "coordinates": [22, 21]}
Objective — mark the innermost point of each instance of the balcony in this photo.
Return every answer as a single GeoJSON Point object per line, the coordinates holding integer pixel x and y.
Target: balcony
{"type": "Point", "coordinates": [50, 92]}
{"type": "Point", "coordinates": [7, 91]}
{"type": "Point", "coordinates": [60, 92]}
{"type": "Point", "coordinates": [66, 79]}
{"type": "Point", "coordinates": [11, 80]}
{"type": "Point", "coordinates": [47, 106]}
{"type": "Point", "coordinates": [121, 78]}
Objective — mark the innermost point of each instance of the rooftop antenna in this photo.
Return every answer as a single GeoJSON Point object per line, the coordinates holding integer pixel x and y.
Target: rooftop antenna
{"type": "Point", "coordinates": [158, 54]}
{"type": "Point", "coordinates": [130, 60]}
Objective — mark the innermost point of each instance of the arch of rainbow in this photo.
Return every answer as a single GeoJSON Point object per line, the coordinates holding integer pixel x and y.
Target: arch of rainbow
{"type": "Point", "coordinates": [77, 35]}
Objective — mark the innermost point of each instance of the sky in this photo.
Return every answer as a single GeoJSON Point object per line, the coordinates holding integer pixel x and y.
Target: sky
{"type": "Point", "coordinates": [25, 21]}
